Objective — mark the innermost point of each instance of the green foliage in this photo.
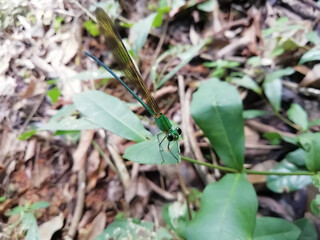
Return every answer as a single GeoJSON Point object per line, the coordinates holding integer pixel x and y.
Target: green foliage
{"type": "Point", "coordinates": [254, 61]}
{"type": "Point", "coordinates": [312, 55]}
{"type": "Point", "coordinates": [54, 93]}
{"type": "Point", "coordinates": [112, 114]}
{"type": "Point", "coordinates": [217, 109]}
{"type": "Point", "coordinates": [207, 6]}
{"type": "Point", "coordinates": [27, 222]}
{"type": "Point", "coordinates": [142, 151]}
{"type": "Point", "coordinates": [92, 28]}
{"type": "Point", "coordinates": [221, 67]}
{"type": "Point", "coordinates": [57, 23]}
{"type": "Point", "coordinates": [184, 53]}
{"type": "Point", "coordinates": [248, 114]}
{"type": "Point", "coordinates": [225, 213]}
{"type": "Point", "coordinates": [297, 115]}
{"type": "Point", "coordinates": [280, 184]}
{"type": "Point", "coordinates": [133, 229]}
{"type": "Point", "coordinates": [273, 88]}
{"type": "Point", "coordinates": [310, 142]}
{"type": "Point", "coordinates": [284, 36]}
{"type": "Point", "coordinates": [108, 112]}
{"type": "Point", "coordinates": [139, 32]}
{"type": "Point", "coordinates": [27, 135]}
{"type": "Point", "coordinates": [246, 82]}
{"type": "Point", "coordinates": [268, 228]}
{"type": "Point", "coordinates": [313, 37]}
{"type": "Point", "coordinates": [308, 231]}
{"type": "Point", "coordinates": [66, 119]}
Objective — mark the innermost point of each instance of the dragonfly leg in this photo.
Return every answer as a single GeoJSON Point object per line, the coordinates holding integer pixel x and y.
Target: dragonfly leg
{"type": "Point", "coordinates": [160, 142]}
{"type": "Point", "coordinates": [172, 152]}
{"type": "Point", "coordinates": [160, 145]}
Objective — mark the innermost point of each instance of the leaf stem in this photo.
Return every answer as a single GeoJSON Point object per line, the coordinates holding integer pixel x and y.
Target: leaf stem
{"type": "Point", "coordinates": [247, 171]}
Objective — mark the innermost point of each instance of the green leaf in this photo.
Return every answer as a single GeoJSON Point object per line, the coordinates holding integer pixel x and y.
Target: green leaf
{"type": "Point", "coordinates": [111, 114]}
{"type": "Point", "coordinates": [217, 109]}
{"type": "Point", "coordinates": [315, 205]}
{"type": "Point", "coordinates": [254, 61]}
{"type": "Point", "coordinates": [92, 28]}
{"type": "Point", "coordinates": [57, 23]}
{"type": "Point", "coordinates": [313, 37]}
{"type": "Point", "coordinates": [280, 184]}
{"type": "Point", "coordinates": [17, 211]}
{"type": "Point", "coordinates": [273, 137]}
{"type": "Point", "coordinates": [148, 152]}
{"type": "Point", "coordinates": [308, 231]}
{"type": "Point", "coordinates": [272, 90]}
{"type": "Point", "coordinates": [38, 205]}
{"type": "Point", "coordinates": [54, 94]}
{"type": "Point", "coordinates": [297, 115]}
{"type": "Point", "coordinates": [222, 64]}
{"type": "Point", "coordinates": [247, 82]}
{"type": "Point", "coordinates": [207, 6]}
{"type": "Point", "coordinates": [228, 210]}
{"type": "Point", "coordinates": [27, 135]}
{"type": "Point", "coordinates": [297, 157]}
{"type": "Point", "coordinates": [280, 73]}
{"type": "Point", "coordinates": [248, 114]}
{"type": "Point", "coordinates": [29, 224]}
{"type": "Point", "coordinates": [185, 57]}
{"type": "Point", "coordinates": [140, 31]}
{"type": "Point", "coordinates": [2, 199]}
{"type": "Point", "coordinates": [133, 229]}
{"type": "Point", "coordinates": [66, 120]}
{"type": "Point", "coordinates": [312, 55]}
{"type": "Point", "coordinates": [272, 86]}
{"type": "Point", "coordinates": [310, 143]}
{"type": "Point", "coordinates": [269, 228]}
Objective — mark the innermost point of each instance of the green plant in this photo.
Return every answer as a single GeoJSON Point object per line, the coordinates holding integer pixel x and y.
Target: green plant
{"type": "Point", "coordinates": [27, 223]}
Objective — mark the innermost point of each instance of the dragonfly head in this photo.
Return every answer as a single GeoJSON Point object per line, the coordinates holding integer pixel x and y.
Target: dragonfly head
{"type": "Point", "coordinates": [174, 135]}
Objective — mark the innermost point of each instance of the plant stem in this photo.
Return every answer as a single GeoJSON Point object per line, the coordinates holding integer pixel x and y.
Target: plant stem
{"type": "Point", "coordinates": [248, 171]}
{"type": "Point", "coordinates": [226, 169]}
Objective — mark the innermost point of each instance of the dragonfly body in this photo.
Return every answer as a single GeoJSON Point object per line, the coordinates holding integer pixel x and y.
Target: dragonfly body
{"type": "Point", "coordinates": [133, 77]}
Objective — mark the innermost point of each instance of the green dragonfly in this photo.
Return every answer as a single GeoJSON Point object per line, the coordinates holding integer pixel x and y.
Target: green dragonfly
{"type": "Point", "coordinates": [133, 78]}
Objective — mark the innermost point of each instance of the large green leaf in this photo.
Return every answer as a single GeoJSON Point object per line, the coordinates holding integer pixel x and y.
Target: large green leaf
{"type": "Point", "coordinates": [217, 109]}
{"type": "Point", "coordinates": [149, 152]}
{"type": "Point", "coordinates": [298, 115]}
{"type": "Point", "coordinates": [268, 228]}
{"type": "Point", "coordinates": [308, 231]}
{"type": "Point", "coordinates": [111, 114]}
{"type": "Point", "coordinates": [280, 184]}
{"type": "Point", "coordinates": [228, 210]}
{"type": "Point", "coordinates": [310, 143]}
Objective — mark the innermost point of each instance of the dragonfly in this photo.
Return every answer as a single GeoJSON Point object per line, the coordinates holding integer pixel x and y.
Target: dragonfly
{"type": "Point", "coordinates": [133, 82]}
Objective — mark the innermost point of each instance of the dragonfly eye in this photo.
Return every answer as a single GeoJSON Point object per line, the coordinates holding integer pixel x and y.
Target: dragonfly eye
{"type": "Point", "coordinates": [170, 137]}
{"type": "Point", "coordinates": [179, 130]}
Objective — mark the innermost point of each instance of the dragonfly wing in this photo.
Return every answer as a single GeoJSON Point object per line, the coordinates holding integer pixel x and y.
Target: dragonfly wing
{"type": "Point", "coordinates": [115, 45]}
